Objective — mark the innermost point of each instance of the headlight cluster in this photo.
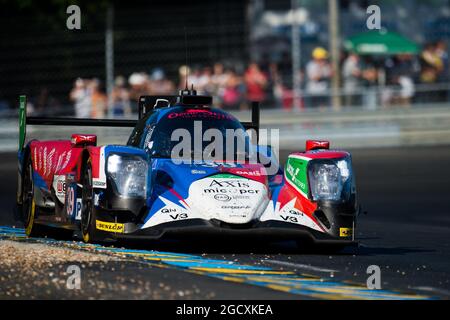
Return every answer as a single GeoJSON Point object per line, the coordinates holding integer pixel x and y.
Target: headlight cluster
{"type": "Point", "coordinates": [129, 174]}
{"type": "Point", "coordinates": [330, 179]}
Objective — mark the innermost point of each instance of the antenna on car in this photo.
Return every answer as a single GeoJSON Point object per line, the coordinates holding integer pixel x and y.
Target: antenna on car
{"type": "Point", "coordinates": [186, 90]}
{"type": "Point", "coordinates": [186, 69]}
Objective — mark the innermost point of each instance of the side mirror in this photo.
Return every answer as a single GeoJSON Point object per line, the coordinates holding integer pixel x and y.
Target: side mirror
{"type": "Point", "coordinates": [81, 140]}
{"type": "Point", "coordinates": [317, 144]}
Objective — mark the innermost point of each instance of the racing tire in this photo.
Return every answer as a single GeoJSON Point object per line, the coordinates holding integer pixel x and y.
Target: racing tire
{"type": "Point", "coordinates": [89, 232]}
{"type": "Point", "coordinates": [29, 208]}
{"type": "Point", "coordinates": [30, 211]}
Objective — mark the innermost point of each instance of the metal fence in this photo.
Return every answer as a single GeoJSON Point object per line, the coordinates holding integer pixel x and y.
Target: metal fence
{"type": "Point", "coordinates": [43, 59]}
{"type": "Point", "coordinates": [149, 48]}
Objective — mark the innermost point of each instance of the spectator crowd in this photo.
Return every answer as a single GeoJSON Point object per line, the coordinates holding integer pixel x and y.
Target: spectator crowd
{"type": "Point", "coordinates": [365, 81]}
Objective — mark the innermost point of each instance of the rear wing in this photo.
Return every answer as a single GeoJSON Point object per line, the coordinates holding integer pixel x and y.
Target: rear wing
{"type": "Point", "coordinates": [43, 121]}
{"type": "Point", "coordinates": [146, 104]}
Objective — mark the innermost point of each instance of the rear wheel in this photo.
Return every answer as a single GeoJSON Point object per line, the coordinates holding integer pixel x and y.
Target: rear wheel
{"type": "Point", "coordinates": [30, 211]}
{"type": "Point", "coordinates": [29, 208]}
{"type": "Point", "coordinates": [88, 216]}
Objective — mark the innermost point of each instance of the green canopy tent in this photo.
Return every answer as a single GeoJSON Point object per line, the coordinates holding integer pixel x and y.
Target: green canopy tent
{"type": "Point", "coordinates": [380, 43]}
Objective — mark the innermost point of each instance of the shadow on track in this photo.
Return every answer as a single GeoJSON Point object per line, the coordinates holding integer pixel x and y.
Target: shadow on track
{"type": "Point", "coordinates": [209, 246]}
{"type": "Point", "coordinates": [373, 251]}
{"type": "Point", "coordinates": [214, 246]}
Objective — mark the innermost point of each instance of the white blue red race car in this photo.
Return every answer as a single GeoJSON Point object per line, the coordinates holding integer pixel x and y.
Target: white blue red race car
{"type": "Point", "coordinates": [138, 190]}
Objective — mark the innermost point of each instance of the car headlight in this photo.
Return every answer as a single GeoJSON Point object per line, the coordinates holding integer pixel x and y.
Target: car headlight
{"type": "Point", "coordinates": [129, 174]}
{"type": "Point", "coordinates": [330, 179]}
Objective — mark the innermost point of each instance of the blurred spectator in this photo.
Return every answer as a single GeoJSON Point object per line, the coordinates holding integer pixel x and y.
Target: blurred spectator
{"type": "Point", "coordinates": [81, 97]}
{"type": "Point", "coordinates": [219, 81]}
{"type": "Point", "coordinates": [205, 81]}
{"type": "Point", "coordinates": [284, 69]}
{"type": "Point", "coordinates": [366, 80]}
{"type": "Point", "coordinates": [98, 99]}
{"type": "Point", "coordinates": [159, 84]}
{"type": "Point", "coordinates": [318, 72]}
{"type": "Point", "coordinates": [404, 71]}
{"type": "Point", "coordinates": [120, 98]}
{"type": "Point", "coordinates": [45, 102]}
{"type": "Point", "coordinates": [233, 95]}
{"type": "Point", "coordinates": [255, 82]}
{"type": "Point", "coordinates": [369, 81]}
{"type": "Point", "coordinates": [139, 86]}
{"type": "Point", "coordinates": [444, 76]}
{"type": "Point", "coordinates": [275, 85]}
{"type": "Point", "coordinates": [351, 74]}
{"type": "Point", "coordinates": [442, 53]}
{"type": "Point", "coordinates": [432, 64]}
{"type": "Point", "coordinates": [194, 79]}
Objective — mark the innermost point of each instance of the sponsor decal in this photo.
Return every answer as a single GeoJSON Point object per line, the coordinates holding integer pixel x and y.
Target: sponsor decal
{"type": "Point", "coordinates": [66, 161]}
{"type": "Point", "coordinates": [175, 213]}
{"type": "Point", "coordinates": [179, 216]}
{"type": "Point", "coordinates": [254, 173]}
{"type": "Point", "coordinates": [70, 201]}
{"type": "Point", "coordinates": [60, 161]}
{"type": "Point", "coordinates": [235, 207]}
{"type": "Point", "coordinates": [168, 210]}
{"type": "Point", "coordinates": [99, 184]}
{"type": "Point", "coordinates": [60, 187]}
{"type": "Point", "coordinates": [78, 208]}
{"type": "Point", "coordinates": [240, 191]}
{"type": "Point", "coordinates": [39, 168]}
{"type": "Point", "coordinates": [222, 197]}
{"type": "Point", "coordinates": [215, 164]}
{"type": "Point", "coordinates": [198, 114]}
{"type": "Point", "coordinates": [50, 161]}
{"type": "Point", "coordinates": [45, 162]}
{"type": "Point", "coordinates": [198, 171]}
{"type": "Point", "coordinates": [288, 213]}
{"type": "Point", "coordinates": [228, 198]}
{"type": "Point", "coordinates": [227, 176]}
{"type": "Point", "coordinates": [296, 174]}
{"type": "Point", "coordinates": [289, 219]}
{"type": "Point", "coordinates": [229, 183]}
{"type": "Point", "coordinates": [345, 232]}
{"type": "Point", "coordinates": [110, 226]}
{"type": "Point", "coordinates": [295, 212]}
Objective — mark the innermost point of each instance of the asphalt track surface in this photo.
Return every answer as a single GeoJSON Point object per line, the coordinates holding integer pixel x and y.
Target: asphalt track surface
{"type": "Point", "coordinates": [406, 232]}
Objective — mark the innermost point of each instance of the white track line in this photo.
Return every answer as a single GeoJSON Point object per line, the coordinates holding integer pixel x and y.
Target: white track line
{"type": "Point", "coordinates": [300, 266]}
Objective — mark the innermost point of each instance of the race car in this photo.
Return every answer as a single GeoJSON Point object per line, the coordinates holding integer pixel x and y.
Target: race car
{"type": "Point", "coordinates": [140, 190]}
